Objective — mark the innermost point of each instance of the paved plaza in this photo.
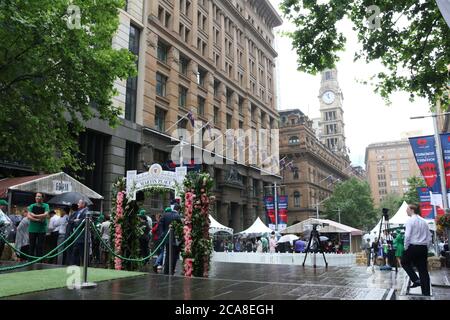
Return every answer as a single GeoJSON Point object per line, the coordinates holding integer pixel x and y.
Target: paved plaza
{"type": "Point", "coordinates": [237, 281]}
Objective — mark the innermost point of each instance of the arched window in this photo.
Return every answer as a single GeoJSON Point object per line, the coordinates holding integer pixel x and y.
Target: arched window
{"type": "Point", "coordinates": [293, 140]}
{"type": "Point", "coordinates": [296, 199]}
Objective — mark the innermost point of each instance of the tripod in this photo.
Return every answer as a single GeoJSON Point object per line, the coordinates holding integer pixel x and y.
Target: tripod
{"type": "Point", "coordinates": [316, 246]}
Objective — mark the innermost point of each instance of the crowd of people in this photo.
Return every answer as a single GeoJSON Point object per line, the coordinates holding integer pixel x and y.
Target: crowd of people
{"type": "Point", "coordinates": [270, 244]}
{"type": "Point", "coordinates": [37, 230]}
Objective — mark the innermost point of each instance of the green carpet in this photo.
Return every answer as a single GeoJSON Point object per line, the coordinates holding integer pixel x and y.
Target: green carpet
{"type": "Point", "coordinates": [38, 280]}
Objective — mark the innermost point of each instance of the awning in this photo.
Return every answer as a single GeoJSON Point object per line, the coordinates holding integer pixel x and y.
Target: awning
{"type": "Point", "coordinates": [49, 184]}
{"type": "Point", "coordinates": [215, 226]}
{"type": "Point", "coordinates": [332, 227]}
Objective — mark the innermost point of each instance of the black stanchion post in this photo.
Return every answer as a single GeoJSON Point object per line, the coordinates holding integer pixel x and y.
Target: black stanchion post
{"type": "Point", "coordinates": [170, 249]}
{"type": "Point", "coordinates": [86, 284]}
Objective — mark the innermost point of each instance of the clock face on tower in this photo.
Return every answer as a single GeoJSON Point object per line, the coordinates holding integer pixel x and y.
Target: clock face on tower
{"type": "Point", "coordinates": [328, 97]}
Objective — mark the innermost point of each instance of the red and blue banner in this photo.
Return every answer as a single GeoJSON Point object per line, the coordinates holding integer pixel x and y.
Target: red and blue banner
{"type": "Point", "coordinates": [282, 209]}
{"type": "Point", "coordinates": [270, 210]}
{"type": "Point", "coordinates": [425, 153]}
{"type": "Point", "coordinates": [269, 203]}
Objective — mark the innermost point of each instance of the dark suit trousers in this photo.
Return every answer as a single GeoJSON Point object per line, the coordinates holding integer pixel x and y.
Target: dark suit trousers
{"type": "Point", "coordinates": [417, 256]}
{"type": "Point", "coordinates": [175, 256]}
{"type": "Point", "coordinates": [36, 243]}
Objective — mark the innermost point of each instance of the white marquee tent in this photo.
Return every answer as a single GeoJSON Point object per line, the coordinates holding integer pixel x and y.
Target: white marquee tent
{"type": "Point", "coordinates": [398, 220]}
{"type": "Point", "coordinates": [215, 226]}
{"type": "Point", "coordinates": [258, 228]}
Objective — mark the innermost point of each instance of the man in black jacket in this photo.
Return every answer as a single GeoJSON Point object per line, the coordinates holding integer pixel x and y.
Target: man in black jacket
{"type": "Point", "coordinates": [78, 248]}
{"type": "Point", "coordinates": [168, 217]}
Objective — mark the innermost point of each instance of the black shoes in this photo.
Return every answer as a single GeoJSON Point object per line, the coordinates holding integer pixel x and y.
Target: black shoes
{"type": "Point", "coordinates": [415, 284]}
{"type": "Point", "coordinates": [155, 269]}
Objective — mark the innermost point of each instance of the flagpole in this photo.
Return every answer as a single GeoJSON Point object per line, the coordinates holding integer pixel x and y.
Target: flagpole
{"type": "Point", "coordinates": [184, 117]}
{"type": "Point", "coordinates": [276, 207]}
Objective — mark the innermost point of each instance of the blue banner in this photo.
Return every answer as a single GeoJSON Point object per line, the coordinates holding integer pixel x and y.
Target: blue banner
{"type": "Point", "coordinates": [270, 209]}
{"type": "Point", "coordinates": [282, 209]}
{"type": "Point", "coordinates": [424, 149]}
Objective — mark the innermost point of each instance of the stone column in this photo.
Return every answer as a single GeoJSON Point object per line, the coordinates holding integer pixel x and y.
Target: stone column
{"type": "Point", "coordinates": [172, 90]}
{"type": "Point", "coordinates": [114, 167]}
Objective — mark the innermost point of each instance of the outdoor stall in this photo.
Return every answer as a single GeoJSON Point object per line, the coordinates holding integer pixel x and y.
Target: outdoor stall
{"type": "Point", "coordinates": [20, 191]}
{"type": "Point", "coordinates": [350, 237]}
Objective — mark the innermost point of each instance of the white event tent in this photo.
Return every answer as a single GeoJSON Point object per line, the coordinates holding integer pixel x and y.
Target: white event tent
{"type": "Point", "coordinates": [215, 226]}
{"type": "Point", "coordinates": [399, 219]}
{"type": "Point", "coordinates": [258, 228]}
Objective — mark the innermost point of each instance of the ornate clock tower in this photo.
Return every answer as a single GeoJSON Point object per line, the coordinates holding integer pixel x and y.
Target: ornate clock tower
{"type": "Point", "coordinates": [332, 113]}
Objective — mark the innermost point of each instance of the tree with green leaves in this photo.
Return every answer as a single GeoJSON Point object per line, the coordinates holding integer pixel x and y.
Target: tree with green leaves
{"type": "Point", "coordinates": [412, 196]}
{"type": "Point", "coordinates": [354, 201]}
{"type": "Point", "coordinates": [57, 71]}
{"type": "Point", "coordinates": [410, 38]}
{"type": "Point", "coordinates": [391, 201]}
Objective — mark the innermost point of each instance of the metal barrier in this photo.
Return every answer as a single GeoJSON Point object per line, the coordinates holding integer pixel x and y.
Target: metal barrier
{"type": "Point", "coordinates": [285, 258]}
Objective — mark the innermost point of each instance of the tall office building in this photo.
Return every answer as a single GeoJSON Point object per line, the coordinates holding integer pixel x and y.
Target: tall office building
{"type": "Point", "coordinates": [216, 60]}
{"type": "Point", "coordinates": [388, 167]}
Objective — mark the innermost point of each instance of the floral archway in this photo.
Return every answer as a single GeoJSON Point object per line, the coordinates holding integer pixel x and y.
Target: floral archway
{"type": "Point", "coordinates": [197, 244]}
{"type": "Point", "coordinates": [193, 233]}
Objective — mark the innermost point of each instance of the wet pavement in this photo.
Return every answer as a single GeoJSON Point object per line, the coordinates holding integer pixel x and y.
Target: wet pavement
{"type": "Point", "coordinates": [237, 281]}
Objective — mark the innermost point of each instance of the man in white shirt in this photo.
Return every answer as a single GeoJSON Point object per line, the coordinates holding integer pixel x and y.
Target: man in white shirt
{"type": "Point", "coordinates": [417, 240]}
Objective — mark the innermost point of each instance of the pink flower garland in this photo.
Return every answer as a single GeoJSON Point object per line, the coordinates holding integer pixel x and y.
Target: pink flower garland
{"type": "Point", "coordinates": [118, 229]}
{"type": "Point", "coordinates": [187, 232]}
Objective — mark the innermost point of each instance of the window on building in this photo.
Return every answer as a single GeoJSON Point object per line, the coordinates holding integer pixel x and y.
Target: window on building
{"type": "Point", "coordinates": [216, 88]}
{"type": "Point", "coordinates": [201, 76]}
{"type": "Point", "coordinates": [241, 124]}
{"type": "Point", "coordinates": [182, 123]}
{"type": "Point", "coordinates": [229, 117]}
{"type": "Point", "coordinates": [183, 65]}
{"type": "Point", "coordinates": [201, 105]}
{"type": "Point", "coordinates": [182, 96]}
{"type": "Point", "coordinates": [131, 156]}
{"type": "Point", "coordinates": [295, 174]}
{"type": "Point", "coordinates": [328, 75]}
{"type": "Point", "coordinates": [216, 115]}
{"type": "Point", "coordinates": [394, 183]}
{"type": "Point", "coordinates": [296, 199]}
{"type": "Point", "coordinates": [161, 81]}
{"type": "Point", "coordinates": [92, 146]}
{"type": "Point", "coordinates": [241, 105]}
{"type": "Point", "coordinates": [405, 182]}
{"type": "Point", "coordinates": [294, 140]}
{"type": "Point", "coordinates": [132, 82]}
{"type": "Point", "coordinates": [162, 51]}
{"type": "Point", "coordinates": [167, 21]}
{"type": "Point", "coordinates": [229, 97]}
{"type": "Point", "coordinates": [160, 119]}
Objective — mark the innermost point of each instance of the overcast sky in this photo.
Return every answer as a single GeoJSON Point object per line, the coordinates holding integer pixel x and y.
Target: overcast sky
{"type": "Point", "coordinates": [367, 118]}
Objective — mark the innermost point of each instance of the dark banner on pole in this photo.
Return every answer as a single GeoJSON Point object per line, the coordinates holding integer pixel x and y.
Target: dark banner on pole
{"type": "Point", "coordinates": [270, 210]}
{"type": "Point", "coordinates": [445, 143]}
{"type": "Point", "coordinates": [425, 153]}
{"type": "Point", "coordinates": [282, 212]}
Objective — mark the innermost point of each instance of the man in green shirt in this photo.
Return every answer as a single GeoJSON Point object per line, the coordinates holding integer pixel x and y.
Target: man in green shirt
{"type": "Point", "coordinates": [37, 214]}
